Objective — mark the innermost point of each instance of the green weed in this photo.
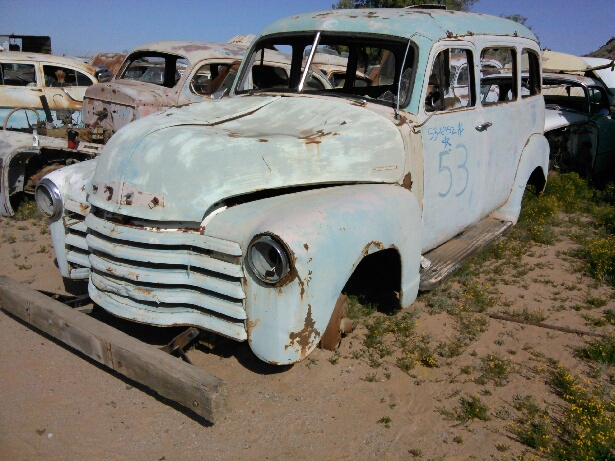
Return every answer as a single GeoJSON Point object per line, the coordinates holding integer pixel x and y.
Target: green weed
{"type": "Point", "coordinates": [600, 350]}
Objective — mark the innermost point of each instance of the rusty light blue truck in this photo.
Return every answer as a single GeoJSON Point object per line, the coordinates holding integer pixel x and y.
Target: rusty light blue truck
{"type": "Point", "coordinates": [246, 216]}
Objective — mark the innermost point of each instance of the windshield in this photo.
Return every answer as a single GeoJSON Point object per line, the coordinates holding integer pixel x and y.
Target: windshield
{"type": "Point", "coordinates": [153, 67]}
{"type": "Point", "coordinates": [367, 66]}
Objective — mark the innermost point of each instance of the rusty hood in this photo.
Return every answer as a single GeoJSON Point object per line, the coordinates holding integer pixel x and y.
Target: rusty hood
{"type": "Point", "coordinates": [125, 100]}
{"type": "Point", "coordinates": [177, 165]}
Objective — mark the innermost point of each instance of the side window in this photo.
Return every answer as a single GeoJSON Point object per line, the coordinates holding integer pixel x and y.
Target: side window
{"type": "Point", "coordinates": [57, 76]}
{"type": "Point", "coordinates": [83, 80]}
{"type": "Point", "coordinates": [530, 74]}
{"type": "Point", "coordinates": [450, 84]}
{"type": "Point", "coordinates": [565, 94]}
{"type": "Point", "coordinates": [210, 78]}
{"type": "Point", "coordinates": [498, 76]}
{"type": "Point", "coordinates": [13, 74]}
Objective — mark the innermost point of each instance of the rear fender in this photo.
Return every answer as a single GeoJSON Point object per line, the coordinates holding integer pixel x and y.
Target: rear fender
{"type": "Point", "coordinates": [535, 157]}
{"type": "Point", "coordinates": [327, 232]}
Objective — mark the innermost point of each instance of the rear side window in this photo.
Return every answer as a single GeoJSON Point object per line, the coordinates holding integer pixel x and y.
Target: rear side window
{"type": "Point", "coordinates": [451, 81]}
{"type": "Point", "coordinates": [498, 69]}
{"type": "Point", "coordinates": [530, 73]}
{"type": "Point", "coordinates": [56, 76]}
{"type": "Point", "coordinates": [565, 94]}
{"type": "Point", "coordinates": [14, 74]}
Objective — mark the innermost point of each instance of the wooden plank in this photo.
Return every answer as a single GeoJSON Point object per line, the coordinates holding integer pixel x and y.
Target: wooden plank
{"type": "Point", "coordinates": [191, 387]}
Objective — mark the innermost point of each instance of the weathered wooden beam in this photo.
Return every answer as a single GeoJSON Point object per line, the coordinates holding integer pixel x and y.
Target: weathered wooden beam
{"type": "Point", "coordinates": [508, 318]}
{"type": "Point", "coordinates": [191, 387]}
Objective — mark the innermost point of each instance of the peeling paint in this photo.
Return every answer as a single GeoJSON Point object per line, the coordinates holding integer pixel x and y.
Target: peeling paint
{"type": "Point", "coordinates": [307, 337]}
{"type": "Point", "coordinates": [407, 181]}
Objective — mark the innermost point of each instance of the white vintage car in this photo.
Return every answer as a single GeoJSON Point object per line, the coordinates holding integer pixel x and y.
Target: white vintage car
{"type": "Point", "coordinates": [26, 77]}
{"type": "Point", "coordinates": [249, 216]}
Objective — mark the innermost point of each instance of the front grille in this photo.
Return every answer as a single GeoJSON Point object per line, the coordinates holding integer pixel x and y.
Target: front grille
{"type": "Point", "coordinates": [166, 274]}
{"type": "Point", "coordinates": [76, 246]}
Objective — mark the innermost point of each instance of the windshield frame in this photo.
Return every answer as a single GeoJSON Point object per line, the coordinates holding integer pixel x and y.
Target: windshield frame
{"type": "Point", "coordinates": [168, 68]}
{"type": "Point", "coordinates": [304, 39]}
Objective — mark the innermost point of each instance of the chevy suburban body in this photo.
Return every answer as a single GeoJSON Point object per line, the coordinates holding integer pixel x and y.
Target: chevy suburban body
{"type": "Point", "coordinates": [248, 215]}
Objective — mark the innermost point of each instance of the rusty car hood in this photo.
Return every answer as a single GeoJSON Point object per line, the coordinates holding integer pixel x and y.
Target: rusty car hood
{"type": "Point", "coordinates": [122, 100]}
{"type": "Point", "coordinates": [178, 164]}
{"type": "Point", "coordinates": [128, 93]}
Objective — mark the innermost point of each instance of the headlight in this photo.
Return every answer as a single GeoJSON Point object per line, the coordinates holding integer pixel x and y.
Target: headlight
{"type": "Point", "coordinates": [48, 198]}
{"type": "Point", "coordinates": [268, 259]}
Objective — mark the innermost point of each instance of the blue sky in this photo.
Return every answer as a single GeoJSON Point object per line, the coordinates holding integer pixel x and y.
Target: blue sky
{"type": "Point", "coordinates": [88, 27]}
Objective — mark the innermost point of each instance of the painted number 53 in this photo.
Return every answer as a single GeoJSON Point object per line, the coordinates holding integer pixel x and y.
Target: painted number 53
{"type": "Point", "coordinates": [452, 166]}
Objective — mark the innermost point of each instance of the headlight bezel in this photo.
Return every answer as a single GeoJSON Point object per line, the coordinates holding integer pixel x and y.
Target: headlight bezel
{"type": "Point", "coordinates": [262, 251]}
{"type": "Point", "coordinates": [53, 199]}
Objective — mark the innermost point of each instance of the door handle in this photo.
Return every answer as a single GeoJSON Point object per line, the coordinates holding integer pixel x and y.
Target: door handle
{"type": "Point", "coordinates": [483, 126]}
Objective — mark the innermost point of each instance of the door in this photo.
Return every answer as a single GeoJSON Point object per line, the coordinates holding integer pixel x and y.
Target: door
{"type": "Point", "coordinates": [454, 149]}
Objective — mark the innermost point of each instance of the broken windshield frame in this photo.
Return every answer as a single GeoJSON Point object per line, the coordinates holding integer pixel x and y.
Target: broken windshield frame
{"type": "Point", "coordinates": [379, 57]}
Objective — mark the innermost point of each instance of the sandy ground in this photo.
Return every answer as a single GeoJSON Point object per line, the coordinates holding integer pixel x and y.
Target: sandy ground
{"type": "Point", "coordinates": [55, 405]}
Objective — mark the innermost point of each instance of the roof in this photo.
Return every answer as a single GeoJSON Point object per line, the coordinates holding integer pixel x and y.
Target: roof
{"type": "Point", "coordinates": [401, 22]}
{"type": "Point", "coordinates": [556, 61]}
{"type": "Point", "coordinates": [194, 51]}
{"type": "Point", "coordinates": [50, 58]}
{"type": "Point", "coordinates": [587, 81]}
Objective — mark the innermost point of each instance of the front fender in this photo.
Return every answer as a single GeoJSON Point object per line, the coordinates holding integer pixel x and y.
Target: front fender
{"type": "Point", "coordinates": [70, 181]}
{"type": "Point", "coordinates": [327, 232]}
{"type": "Point", "coordinates": [535, 155]}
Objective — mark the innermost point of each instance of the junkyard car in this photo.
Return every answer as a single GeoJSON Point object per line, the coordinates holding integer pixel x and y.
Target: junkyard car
{"type": "Point", "coordinates": [25, 77]}
{"type": "Point", "coordinates": [579, 125]}
{"type": "Point", "coordinates": [600, 69]}
{"type": "Point", "coordinates": [25, 158]}
{"type": "Point", "coordinates": [248, 216]}
{"type": "Point", "coordinates": [159, 75]}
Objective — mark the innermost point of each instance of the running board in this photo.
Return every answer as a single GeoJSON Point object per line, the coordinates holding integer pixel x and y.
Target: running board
{"type": "Point", "coordinates": [450, 256]}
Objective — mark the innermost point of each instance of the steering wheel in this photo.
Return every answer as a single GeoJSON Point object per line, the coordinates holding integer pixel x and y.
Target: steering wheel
{"type": "Point", "coordinates": [17, 109]}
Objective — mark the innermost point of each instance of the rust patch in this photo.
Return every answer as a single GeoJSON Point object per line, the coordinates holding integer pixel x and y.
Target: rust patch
{"type": "Point", "coordinates": [306, 337]}
{"type": "Point", "coordinates": [145, 291]}
{"type": "Point", "coordinates": [306, 246]}
{"type": "Point", "coordinates": [84, 207]}
{"type": "Point", "coordinates": [316, 137]}
{"type": "Point", "coordinates": [402, 120]}
{"type": "Point", "coordinates": [251, 324]}
{"type": "Point", "coordinates": [109, 191]}
{"type": "Point", "coordinates": [155, 202]}
{"type": "Point", "coordinates": [263, 140]}
{"type": "Point", "coordinates": [407, 182]}
{"type": "Point", "coordinates": [375, 243]}
{"type": "Point", "coordinates": [301, 284]}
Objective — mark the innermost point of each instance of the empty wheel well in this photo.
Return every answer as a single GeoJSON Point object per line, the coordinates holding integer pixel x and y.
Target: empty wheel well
{"type": "Point", "coordinates": [537, 180]}
{"type": "Point", "coordinates": [377, 280]}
